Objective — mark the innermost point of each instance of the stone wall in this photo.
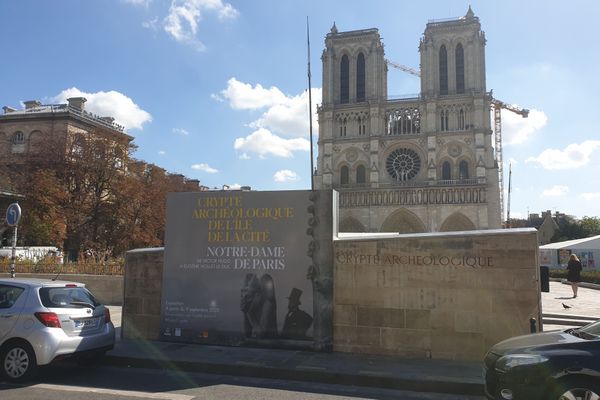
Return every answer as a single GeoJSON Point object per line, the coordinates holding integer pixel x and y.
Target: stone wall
{"type": "Point", "coordinates": [108, 289]}
{"type": "Point", "coordinates": [442, 296]}
{"type": "Point", "coordinates": [142, 295]}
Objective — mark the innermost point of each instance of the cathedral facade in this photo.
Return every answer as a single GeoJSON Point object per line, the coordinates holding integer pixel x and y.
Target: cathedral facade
{"type": "Point", "coordinates": [422, 164]}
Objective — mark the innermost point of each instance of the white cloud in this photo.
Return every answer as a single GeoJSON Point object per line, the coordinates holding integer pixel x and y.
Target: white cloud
{"type": "Point", "coordinates": [263, 142]}
{"type": "Point", "coordinates": [244, 156]}
{"type": "Point", "coordinates": [181, 131]}
{"type": "Point", "coordinates": [152, 24]}
{"type": "Point", "coordinates": [285, 175]}
{"type": "Point", "coordinates": [573, 156]}
{"type": "Point", "coordinates": [282, 128]}
{"type": "Point", "coordinates": [516, 129]}
{"type": "Point", "coordinates": [205, 168]}
{"type": "Point", "coordinates": [590, 196]}
{"type": "Point", "coordinates": [291, 118]}
{"type": "Point", "coordinates": [162, 152]}
{"type": "Point", "coordinates": [185, 15]}
{"type": "Point", "coordinates": [109, 104]}
{"type": "Point", "coordinates": [242, 96]}
{"type": "Point", "coordinates": [556, 191]}
{"type": "Point", "coordinates": [144, 3]}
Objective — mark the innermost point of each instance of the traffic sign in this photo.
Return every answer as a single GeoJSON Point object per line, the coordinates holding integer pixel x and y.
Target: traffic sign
{"type": "Point", "coordinates": [13, 214]}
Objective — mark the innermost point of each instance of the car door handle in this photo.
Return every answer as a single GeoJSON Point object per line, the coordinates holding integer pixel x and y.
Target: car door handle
{"type": "Point", "coordinates": [7, 315]}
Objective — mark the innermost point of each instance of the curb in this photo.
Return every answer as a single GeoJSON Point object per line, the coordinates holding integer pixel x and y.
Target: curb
{"type": "Point", "coordinates": [366, 379]}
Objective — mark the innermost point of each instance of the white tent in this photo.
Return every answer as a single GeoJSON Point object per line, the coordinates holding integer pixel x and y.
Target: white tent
{"type": "Point", "coordinates": [556, 255]}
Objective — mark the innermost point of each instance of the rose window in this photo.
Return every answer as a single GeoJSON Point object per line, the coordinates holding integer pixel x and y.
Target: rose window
{"type": "Point", "coordinates": [403, 164]}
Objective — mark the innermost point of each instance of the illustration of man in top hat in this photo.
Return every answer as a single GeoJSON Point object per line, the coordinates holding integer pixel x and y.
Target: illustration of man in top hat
{"type": "Point", "coordinates": [297, 321]}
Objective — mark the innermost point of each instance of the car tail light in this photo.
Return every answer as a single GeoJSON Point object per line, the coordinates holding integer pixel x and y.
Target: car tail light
{"type": "Point", "coordinates": [106, 315]}
{"type": "Point", "coordinates": [70, 285]}
{"type": "Point", "coordinates": [49, 319]}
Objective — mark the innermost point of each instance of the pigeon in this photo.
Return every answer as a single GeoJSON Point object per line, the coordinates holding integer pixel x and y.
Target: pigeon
{"type": "Point", "coordinates": [566, 306]}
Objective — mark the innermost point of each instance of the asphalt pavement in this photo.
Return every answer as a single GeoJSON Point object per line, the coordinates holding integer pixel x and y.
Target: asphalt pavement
{"type": "Point", "coordinates": [439, 376]}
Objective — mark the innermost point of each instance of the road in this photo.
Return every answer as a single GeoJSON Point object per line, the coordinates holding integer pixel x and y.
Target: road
{"type": "Point", "coordinates": [66, 381]}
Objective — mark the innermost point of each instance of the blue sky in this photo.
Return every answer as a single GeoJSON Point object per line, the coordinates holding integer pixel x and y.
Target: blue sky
{"type": "Point", "coordinates": [216, 90]}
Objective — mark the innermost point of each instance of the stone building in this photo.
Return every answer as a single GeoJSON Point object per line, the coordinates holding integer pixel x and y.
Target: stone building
{"type": "Point", "coordinates": [40, 132]}
{"type": "Point", "coordinates": [421, 164]}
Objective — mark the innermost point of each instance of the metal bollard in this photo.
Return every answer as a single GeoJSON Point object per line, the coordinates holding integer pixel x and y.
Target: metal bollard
{"type": "Point", "coordinates": [532, 325]}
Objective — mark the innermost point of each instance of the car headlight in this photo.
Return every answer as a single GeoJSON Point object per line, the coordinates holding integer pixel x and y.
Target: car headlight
{"type": "Point", "coordinates": [514, 360]}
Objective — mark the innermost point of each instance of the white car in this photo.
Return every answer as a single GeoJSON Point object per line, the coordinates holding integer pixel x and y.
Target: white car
{"type": "Point", "coordinates": [42, 320]}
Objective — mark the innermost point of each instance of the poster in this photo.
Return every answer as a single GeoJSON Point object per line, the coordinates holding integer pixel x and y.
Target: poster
{"type": "Point", "coordinates": [236, 268]}
{"type": "Point", "coordinates": [563, 257]}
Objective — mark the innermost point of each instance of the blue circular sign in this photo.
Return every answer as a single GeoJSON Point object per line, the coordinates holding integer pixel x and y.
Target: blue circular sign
{"type": "Point", "coordinates": [13, 214]}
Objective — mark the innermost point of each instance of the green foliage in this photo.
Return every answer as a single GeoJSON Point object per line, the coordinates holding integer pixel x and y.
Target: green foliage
{"type": "Point", "coordinates": [586, 276]}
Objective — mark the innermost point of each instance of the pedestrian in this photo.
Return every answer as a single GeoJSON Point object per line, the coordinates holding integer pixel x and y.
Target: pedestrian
{"type": "Point", "coordinates": [574, 273]}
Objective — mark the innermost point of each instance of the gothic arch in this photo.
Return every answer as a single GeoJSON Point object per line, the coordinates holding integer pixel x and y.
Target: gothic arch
{"type": "Point", "coordinates": [351, 224]}
{"type": "Point", "coordinates": [457, 222]}
{"type": "Point", "coordinates": [403, 221]}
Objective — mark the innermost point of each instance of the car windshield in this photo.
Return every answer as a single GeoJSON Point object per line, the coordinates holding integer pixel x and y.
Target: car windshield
{"type": "Point", "coordinates": [592, 329]}
{"type": "Point", "coordinates": [67, 297]}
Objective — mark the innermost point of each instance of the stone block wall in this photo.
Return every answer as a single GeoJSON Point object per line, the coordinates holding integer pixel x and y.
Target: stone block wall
{"type": "Point", "coordinates": [142, 293]}
{"type": "Point", "coordinates": [442, 296]}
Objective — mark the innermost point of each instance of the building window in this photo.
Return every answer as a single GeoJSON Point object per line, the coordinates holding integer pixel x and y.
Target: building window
{"type": "Point", "coordinates": [403, 164]}
{"type": "Point", "coordinates": [446, 172]}
{"type": "Point", "coordinates": [361, 174]}
{"type": "Point", "coordinates": [360, 77]}
{"type": "Point", "coordinates": [18, 138]}
{"type": "Point", "coordinates": [345, 80]}
{"type": "Point", "coordinates": [343, 127]}
{"type": "Point", "coordinates": [18, 142]}
{"type": "Point", "coordinates": [344, 175]}
{"type": "Point", "coordinates": [443, 70]}
{"type": "Point", "coordinates": [460, 69]}
{"type": "Point", "coordinates": [463, 170]}
{"type": "Point", "coordinates": [461, 119]}
{"type": "Point", "coordinates": [444, 120]}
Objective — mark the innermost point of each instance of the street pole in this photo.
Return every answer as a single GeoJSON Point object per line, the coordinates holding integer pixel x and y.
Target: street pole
{"type": "Point", "coordinates": [14, 254]}
{"type": "Point", "coordinates": [13, 216]}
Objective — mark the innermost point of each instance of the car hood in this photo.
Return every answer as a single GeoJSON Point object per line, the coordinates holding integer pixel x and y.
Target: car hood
{"type": "Point", "coordinates": [533, 341]}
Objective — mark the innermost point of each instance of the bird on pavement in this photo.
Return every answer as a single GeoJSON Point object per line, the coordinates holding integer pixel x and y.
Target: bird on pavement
{"type": "Point", "coordinates": [566, 306]}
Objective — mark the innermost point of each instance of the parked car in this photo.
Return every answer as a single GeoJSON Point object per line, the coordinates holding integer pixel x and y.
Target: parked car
{"type": "Point", "coordinates": [44, 320]}
{"type": "Point", "coordinates": [553, 365]}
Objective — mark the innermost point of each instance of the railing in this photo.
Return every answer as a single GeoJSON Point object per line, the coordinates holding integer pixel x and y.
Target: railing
{"type": "Point", "coordinates": [96, 119]}
{"type": "Point", "coordinates": [413, 196]}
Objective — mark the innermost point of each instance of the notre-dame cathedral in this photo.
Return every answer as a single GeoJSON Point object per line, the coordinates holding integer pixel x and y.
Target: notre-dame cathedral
{"type": "Point", "coordinates": [421, 164]}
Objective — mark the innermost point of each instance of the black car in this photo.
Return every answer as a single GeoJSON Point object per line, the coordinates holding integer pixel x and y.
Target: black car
{"type": "Point", "coordinates": [558, 365]}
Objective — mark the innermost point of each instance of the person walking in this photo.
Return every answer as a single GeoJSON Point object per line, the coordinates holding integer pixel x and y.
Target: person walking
{"type": "Point", "coordinates": [574, 273]}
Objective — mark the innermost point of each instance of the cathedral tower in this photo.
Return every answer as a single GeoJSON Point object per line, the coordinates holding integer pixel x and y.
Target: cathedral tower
{"type": "Point", "coordinates": [413, 164]}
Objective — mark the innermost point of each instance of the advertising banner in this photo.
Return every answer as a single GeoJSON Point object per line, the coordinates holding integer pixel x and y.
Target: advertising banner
{"type": "Point", "coordinates": [236, 268]}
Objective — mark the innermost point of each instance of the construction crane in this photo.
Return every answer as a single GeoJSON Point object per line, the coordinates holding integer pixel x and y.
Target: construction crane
{"type": "Point", "coordinates": [498, 105]}
{"type": "Point", "coordinates": [404, 68]}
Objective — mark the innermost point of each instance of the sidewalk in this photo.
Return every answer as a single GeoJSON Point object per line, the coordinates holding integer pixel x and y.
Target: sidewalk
{"type": "Point", "coordinates": [452, 377]}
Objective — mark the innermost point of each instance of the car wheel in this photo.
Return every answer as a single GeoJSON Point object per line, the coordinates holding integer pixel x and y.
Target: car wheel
{"type": "Point", "coordinates": [18, 361]}
{"type": "Point", "coordinates": [578, 390]}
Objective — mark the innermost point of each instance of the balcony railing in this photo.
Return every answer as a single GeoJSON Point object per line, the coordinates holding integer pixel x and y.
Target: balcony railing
{"type": "Point", "coordinates": [413, 196]}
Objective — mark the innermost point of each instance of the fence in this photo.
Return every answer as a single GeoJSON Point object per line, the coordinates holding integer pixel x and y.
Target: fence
{"type": "Point", "coordinates": [53, 267]}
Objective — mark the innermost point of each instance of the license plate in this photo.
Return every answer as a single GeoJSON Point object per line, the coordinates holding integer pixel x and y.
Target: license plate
{"type": "Point", "coordinates": [86, 323]}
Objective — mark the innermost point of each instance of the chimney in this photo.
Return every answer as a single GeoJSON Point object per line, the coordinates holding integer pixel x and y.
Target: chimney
{"type": "Point", "coordinates": [32, 104]}
{"type": "Point", "coordinates": [77, 102]}
{"type": "Point", "coordinates": [8, 109]}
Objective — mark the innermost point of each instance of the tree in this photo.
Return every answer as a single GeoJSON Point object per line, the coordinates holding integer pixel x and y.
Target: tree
{"type": "Point", "coordinates": [590, 226]}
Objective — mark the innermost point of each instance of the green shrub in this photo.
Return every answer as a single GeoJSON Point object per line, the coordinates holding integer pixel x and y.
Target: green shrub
{"type": "Point", "coordinates": [586, 276]}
